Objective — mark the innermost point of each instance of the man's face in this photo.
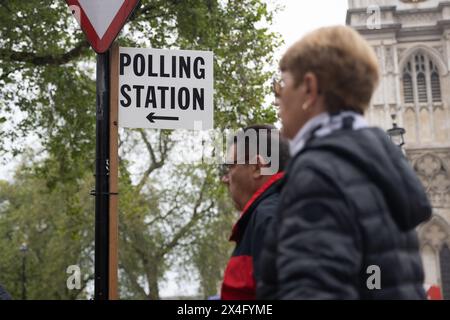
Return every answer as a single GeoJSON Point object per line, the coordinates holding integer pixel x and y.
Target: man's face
{"type": "Point", "coordinates": [290, 99]}
{"type": "Point", "coordinates": [239, 179]}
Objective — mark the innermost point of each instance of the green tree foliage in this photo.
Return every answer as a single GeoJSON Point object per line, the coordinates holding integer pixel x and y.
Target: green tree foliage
{"type": "Point", "coordinates": [172, 214]}
{"type": "Point", "coordinates": [54, 225]}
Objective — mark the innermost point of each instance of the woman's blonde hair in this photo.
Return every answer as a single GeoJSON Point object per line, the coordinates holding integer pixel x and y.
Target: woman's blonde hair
{"type": "Point", "coordinates": [344, 63]}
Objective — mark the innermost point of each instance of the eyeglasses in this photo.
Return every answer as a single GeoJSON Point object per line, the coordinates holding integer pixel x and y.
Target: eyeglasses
{"type": "Point", "coordinates": [224, 169]}
{"type": "Point", "coordinates": [277, 86]}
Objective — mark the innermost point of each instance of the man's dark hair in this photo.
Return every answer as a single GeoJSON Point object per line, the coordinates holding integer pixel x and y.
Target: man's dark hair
{"type": "Point", "coordinates": [275, 144]}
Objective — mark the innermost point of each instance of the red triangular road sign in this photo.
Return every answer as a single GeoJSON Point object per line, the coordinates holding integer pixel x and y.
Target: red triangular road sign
{"type": "Point", "coordinates": [101, 20]}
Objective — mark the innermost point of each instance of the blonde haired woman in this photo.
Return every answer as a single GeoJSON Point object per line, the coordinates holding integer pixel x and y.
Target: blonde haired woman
{"type": "Point", "coordinates": [350, 202]}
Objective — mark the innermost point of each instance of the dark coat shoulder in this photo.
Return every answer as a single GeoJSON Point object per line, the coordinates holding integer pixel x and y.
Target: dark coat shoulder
{"type": "Point", "coordinates": [344, 209]}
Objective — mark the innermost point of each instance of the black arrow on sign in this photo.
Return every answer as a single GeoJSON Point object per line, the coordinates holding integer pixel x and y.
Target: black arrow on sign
{"type": "Point", "coordinates": [151, 117]}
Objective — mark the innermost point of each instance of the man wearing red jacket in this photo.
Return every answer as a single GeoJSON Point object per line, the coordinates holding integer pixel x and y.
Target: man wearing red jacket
{"type": "Point", "coordinates": [253, 174]}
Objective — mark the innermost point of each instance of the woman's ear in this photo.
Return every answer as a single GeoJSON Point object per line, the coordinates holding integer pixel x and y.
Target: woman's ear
{"type": "Point", "coordinates": [313, 99]}
{"type": "Point", "coordinates": [311, 85]}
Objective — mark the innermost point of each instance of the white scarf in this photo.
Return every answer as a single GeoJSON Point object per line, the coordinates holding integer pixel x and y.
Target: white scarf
{"type": "Point", "coordinates": [322, 125]}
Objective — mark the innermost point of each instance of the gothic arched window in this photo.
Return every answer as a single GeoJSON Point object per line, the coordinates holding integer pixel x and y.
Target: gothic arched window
{"type": "Point", "coordinates": [420, 78]}
{"type": "Point", "coordinates": [408, 90]}
{"type": "Point", "coordinates": [435, 83]}
{"type": "Point", "coordinates": [435, 239]}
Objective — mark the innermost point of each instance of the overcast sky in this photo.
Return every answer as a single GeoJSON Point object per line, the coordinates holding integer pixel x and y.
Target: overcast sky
{"type": "Point", "coordinates": [301, 16]}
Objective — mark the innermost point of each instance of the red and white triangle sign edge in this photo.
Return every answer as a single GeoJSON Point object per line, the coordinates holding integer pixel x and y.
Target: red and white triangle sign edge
{"type": "Point", "coordinates": [101, 44]}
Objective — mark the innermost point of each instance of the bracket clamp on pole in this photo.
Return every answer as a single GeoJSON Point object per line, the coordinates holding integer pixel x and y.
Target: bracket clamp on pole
{"type": "Point", "coordinates": [94, 193]}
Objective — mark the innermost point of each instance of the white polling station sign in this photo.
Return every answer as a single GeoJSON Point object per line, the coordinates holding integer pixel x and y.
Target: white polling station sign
{"type": "Point", "coordinates": [166, 89]}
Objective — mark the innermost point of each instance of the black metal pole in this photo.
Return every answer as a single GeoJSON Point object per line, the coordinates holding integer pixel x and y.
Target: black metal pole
{"type": "Point", "coordinates": [102, 180]}
{"type": "Point", "coordinates": [24, 278]}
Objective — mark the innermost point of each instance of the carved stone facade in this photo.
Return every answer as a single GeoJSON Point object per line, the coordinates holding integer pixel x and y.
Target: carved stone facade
{"type": "Point", "coordinates": [432, 167]}
{"type": "Point", "coordinates": [412, 43]}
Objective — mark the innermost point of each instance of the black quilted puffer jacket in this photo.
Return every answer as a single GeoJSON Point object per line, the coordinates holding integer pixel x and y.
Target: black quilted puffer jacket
{"type": "Point", "coordinates": [350, 201]}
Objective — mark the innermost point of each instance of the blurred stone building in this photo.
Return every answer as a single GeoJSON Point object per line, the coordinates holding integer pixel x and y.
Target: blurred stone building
{"type": "Point", "coordinates": [412, 41]}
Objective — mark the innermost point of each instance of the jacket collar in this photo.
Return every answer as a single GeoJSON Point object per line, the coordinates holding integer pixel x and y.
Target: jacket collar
{"type": "Point", "coordinates": [324, 124]}
{"type": "Point", "coordinates": [251, 205]}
